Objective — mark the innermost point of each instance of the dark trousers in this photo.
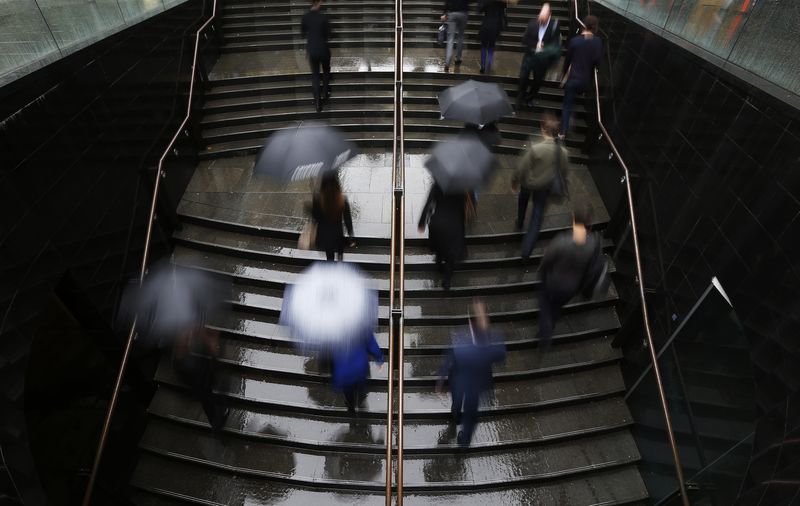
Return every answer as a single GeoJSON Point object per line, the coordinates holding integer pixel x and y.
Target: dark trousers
{"type": "Point", "coordinates": [354, 396]}
{"type": "Point", "coordinates": [198, 373]}
{"type": "Point", "coordinates": [325, 64]}
{"type": "Point", "coordinates": [572, 88]}
{"type": "Point", "coordinates": [539, 202]}
{"type": "Point", "coordinates": [330, 254]}
{"type": "Point", "coordinates": [527, 89]}
{"type": "Point", "coordinates": [487, 55]}
{"type": "Point", "coordinates": [446, 266]}
{"type": "Point", "coordinates": [465, 407]}
{"type": "Point", "coordinates": [551, 300]}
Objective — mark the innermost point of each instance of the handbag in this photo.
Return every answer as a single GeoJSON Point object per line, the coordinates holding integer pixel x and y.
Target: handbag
{"type": "Point", "coordinates": [470, 210]}
{"type": "Point", "coordinates": [308, 236]}
{"type": "Point", "coordinates": [441, 34]}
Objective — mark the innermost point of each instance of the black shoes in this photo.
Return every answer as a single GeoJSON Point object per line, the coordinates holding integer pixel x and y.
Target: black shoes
{"type": "Point", "coordinates": [517, 225]}
{"type": "Point", "coordinates": [318, 105]}
{"type": "Point", "coordinates": [482, 70]}
{"type": "Point", "coordinates": [458, 62]}
{"type": "Point", "coordinates": [446, 69]}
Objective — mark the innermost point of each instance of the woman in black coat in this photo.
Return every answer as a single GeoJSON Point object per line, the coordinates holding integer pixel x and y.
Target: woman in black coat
{"type": "Point", "coordinates": [494, 12]}
{"type": "Point", "coordinates": [446, 220]}
{"type": "Point", "coordinates": [330, 210]}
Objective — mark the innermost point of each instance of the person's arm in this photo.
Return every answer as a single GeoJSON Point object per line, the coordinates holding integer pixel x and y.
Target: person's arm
{"type": "Point", "coordinates": [528, 39]}
{"type": "Point", "coordinates": [568, 57]}
{"type": "Point", "coordinates": [555, 40]}
{"type": "Point", "coordinates": [426, 211]}
{"type": "Point", "coordinates": [374, 350]}
{"type": "Point", "coordinates": [348, 218]}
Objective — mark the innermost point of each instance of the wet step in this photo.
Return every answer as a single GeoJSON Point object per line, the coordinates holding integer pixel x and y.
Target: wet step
{"type": "Point", "coordinates": [366, 471]}
{"type": "Point", "coordinates": [298, 108]}
{"type": "Point", "coordinates": [197, 484]}
{"type": "Point", "coordinates": [260, 122]}
{"type": "Point", "coordinates": [310, 395]}
{"type": "Point", "coordinates": [337, 24]}
{"type": "Point", "coordinates": [362, 139]}
{"type": "Point", "coordinates": [241, 245]}
{"type": "Point", "coordinates": [282, 358]}
{"type": "Point", "coordinates": [371, 40]}
{"type": "Point", "coordinates": [437, 339]}
{"type": "Point", "coordinates": [420, 436]}
{"type": "Point", "coordinates": [525, 118]}
{"type": "Point", "coordinates": [203, 485]}
{"type": "Point", "coordinates": [214, 109]}
{"type": "Point", "coordinates": [293, 36]}
{"type": "Point", "coordinates": [269, 82]}
{"type": "Point", "coordinates": [424, 310]}
{"type": "Point", "coordinates": [423, 135]}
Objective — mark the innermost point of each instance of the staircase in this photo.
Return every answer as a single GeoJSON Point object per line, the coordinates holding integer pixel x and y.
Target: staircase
{"type": "Point", "coordinates": [555, 430]}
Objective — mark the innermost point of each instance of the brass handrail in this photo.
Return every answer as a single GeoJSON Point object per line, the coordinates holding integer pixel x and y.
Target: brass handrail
{"type": "Point", "coordinates": [143, 269]}
{"type": "Point", "coordinates": [395, 285]}
{"type": "Point", "coordinates": [645, 317]}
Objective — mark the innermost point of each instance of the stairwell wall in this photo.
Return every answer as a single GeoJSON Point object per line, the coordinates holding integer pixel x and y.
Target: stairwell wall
{"type": "Point", "coordinates": [716, 172]}
{"type": "Point", "coordinates": [79, 141]}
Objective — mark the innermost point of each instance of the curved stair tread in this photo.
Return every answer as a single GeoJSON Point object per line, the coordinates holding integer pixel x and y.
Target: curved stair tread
{"type": "Point", "coordinates": [420, 436]}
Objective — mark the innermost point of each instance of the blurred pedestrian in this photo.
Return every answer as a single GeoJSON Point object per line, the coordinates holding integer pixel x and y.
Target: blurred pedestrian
{"type": "Point", "coordinates": [583, 55]}
{"type": "Point", "coordinates": [350, 369]}
{"type": "Point", "coordinates": [539, 174]}
{"type": "Point", "coordinates": [446, 217]}
{"type": "Point", "coordinates": [456, 13]}
{"type": "Point", "coordinates": [330, 210]}
{"type": "Point", "coordinates": [542, 41]}
{"type": "Point", "coordinates": [489, 134]}
{"type": "Point", "coordinates": [317, 30]}
{"type": "Point", "coordinates": [194, 356]}
{"type": "Point", "coordinates": [468, 368]}
{"type": "Point", "coordinates": [494, 12]}
{"type": "Point", "coordinates": [566, 269]}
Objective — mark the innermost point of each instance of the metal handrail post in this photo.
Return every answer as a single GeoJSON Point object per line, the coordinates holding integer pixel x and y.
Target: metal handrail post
{"type": "Point", "coordinates": [645, 317]}
{"type": "Point", "coordinates": [143, 269]}
{"type": "Point", "coordinates": [398, 192]}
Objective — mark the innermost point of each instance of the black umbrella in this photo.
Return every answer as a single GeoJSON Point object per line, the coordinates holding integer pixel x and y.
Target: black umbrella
{"type": "Point", "coordinates": [304, 152]}
{"type": "Point", "coordinates": [474, 102]}
{"type": "Point", "coordinates": [460, 164]}
{"type": "Point", "coordinates": [170, 301]}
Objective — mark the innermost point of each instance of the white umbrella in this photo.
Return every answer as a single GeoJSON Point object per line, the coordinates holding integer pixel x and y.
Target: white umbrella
{"type": "Point", "coordinates": [331, 305]}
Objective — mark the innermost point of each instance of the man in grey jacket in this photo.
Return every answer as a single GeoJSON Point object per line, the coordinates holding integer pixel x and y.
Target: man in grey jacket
{"type": "Point", "coordinates": [539, 174]}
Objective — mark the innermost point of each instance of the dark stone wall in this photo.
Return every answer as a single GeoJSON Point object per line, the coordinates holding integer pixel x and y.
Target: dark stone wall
{"type": "Point", "coordinates": [79, 142]}
{"type": "Point", "coordinates": [716, 170]}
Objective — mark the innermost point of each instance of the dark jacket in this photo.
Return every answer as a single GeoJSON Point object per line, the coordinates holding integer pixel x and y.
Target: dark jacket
{"type": "Point", "coordinates": [317, 30]}
{"type": "Point", "coordinates": [330, 236]}
{"type": "Point", "coordinates": [551, 38]}
{"type": "Point", "coordinates": [536, 169]}
{"type": "Point", "coordinates": [489, 135]}
{"type": "Point", "coordinates": [445, 217]}
{"type": "Point", "coordinates": [565, 266]}
{"type": "Point", "coordinates": [350, 366]}
{"type": "Point", "coordinates": [493, 20]}
{"type": "Point", "coordinates": [456, 6]}
{"type": "Point", "coordinates": [468, 366]}
{"type": "Point", "coordinates": [583, 55]}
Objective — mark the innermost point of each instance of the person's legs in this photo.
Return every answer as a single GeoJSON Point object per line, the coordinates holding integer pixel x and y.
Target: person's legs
{"type": "Point", "coordinates": [570, 90]}
{"type": "Point", "coordinates": [350, 393]}
{"type": "Point", "coordinates": [524, 75]}
{"type": "Point", "coordinates": [522, 206]}
{"type": "Point", "coordinates": [539, 68]}
{"type": "Point", "coordinates": [551, 300]}
{"type": "Point", "coordinates": [539, 202]}
{"type": "Point", "coordinates": [483, 56]}
{"type": "Point", "coordinates": [451, 37]}
{"type": "Point", "coordinates": [461, 22]}
{"type": "Point", "coordinates": [326, 76]}
{"type": "Point", "coordinates": [315, 63]}
{"type": "Point", "coordinates": [330, 255]}
{"type": "Point", "coordinates": [490, 57]}
{"type": "Point", "coordinates": [470, 418]}
{"type": "Point", "coordinates": [447, 273]}
{"type": "Point", "coordinates": [457, 394]}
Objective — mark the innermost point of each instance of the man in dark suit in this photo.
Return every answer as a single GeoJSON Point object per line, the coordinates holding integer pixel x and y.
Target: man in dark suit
{"type": "Point", "coordinates": [542, 40]}
{"type": "Point", "coordinates": [317, 30]}
{"type": "Point", "coordinates": [468, 367]}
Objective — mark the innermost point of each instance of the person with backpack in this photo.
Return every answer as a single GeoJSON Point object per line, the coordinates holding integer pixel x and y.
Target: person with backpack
{"type": "Point", "coordinates": [539, 174]}
{"type": "Point", "coordinates": [572, 263]}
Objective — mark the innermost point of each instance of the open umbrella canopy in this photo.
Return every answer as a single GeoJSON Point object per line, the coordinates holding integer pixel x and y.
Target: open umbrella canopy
{"type": "Point", "coordinates": [170, 300]}
{"type": "Point", "coordinates": [331, 305]}
{"type": "Point", "coordinates": [305, 152]}
{"type": "Point", "coordinates": [460, 164]}
{"type": "Point", "coordinates": [475, 102]}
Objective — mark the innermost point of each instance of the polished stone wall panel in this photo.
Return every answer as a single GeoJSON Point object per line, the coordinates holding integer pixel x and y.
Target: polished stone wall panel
{"type": "Point", "coordinates": [716, 162]}
{"type": "Point", "coordinates": [79, 140]}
